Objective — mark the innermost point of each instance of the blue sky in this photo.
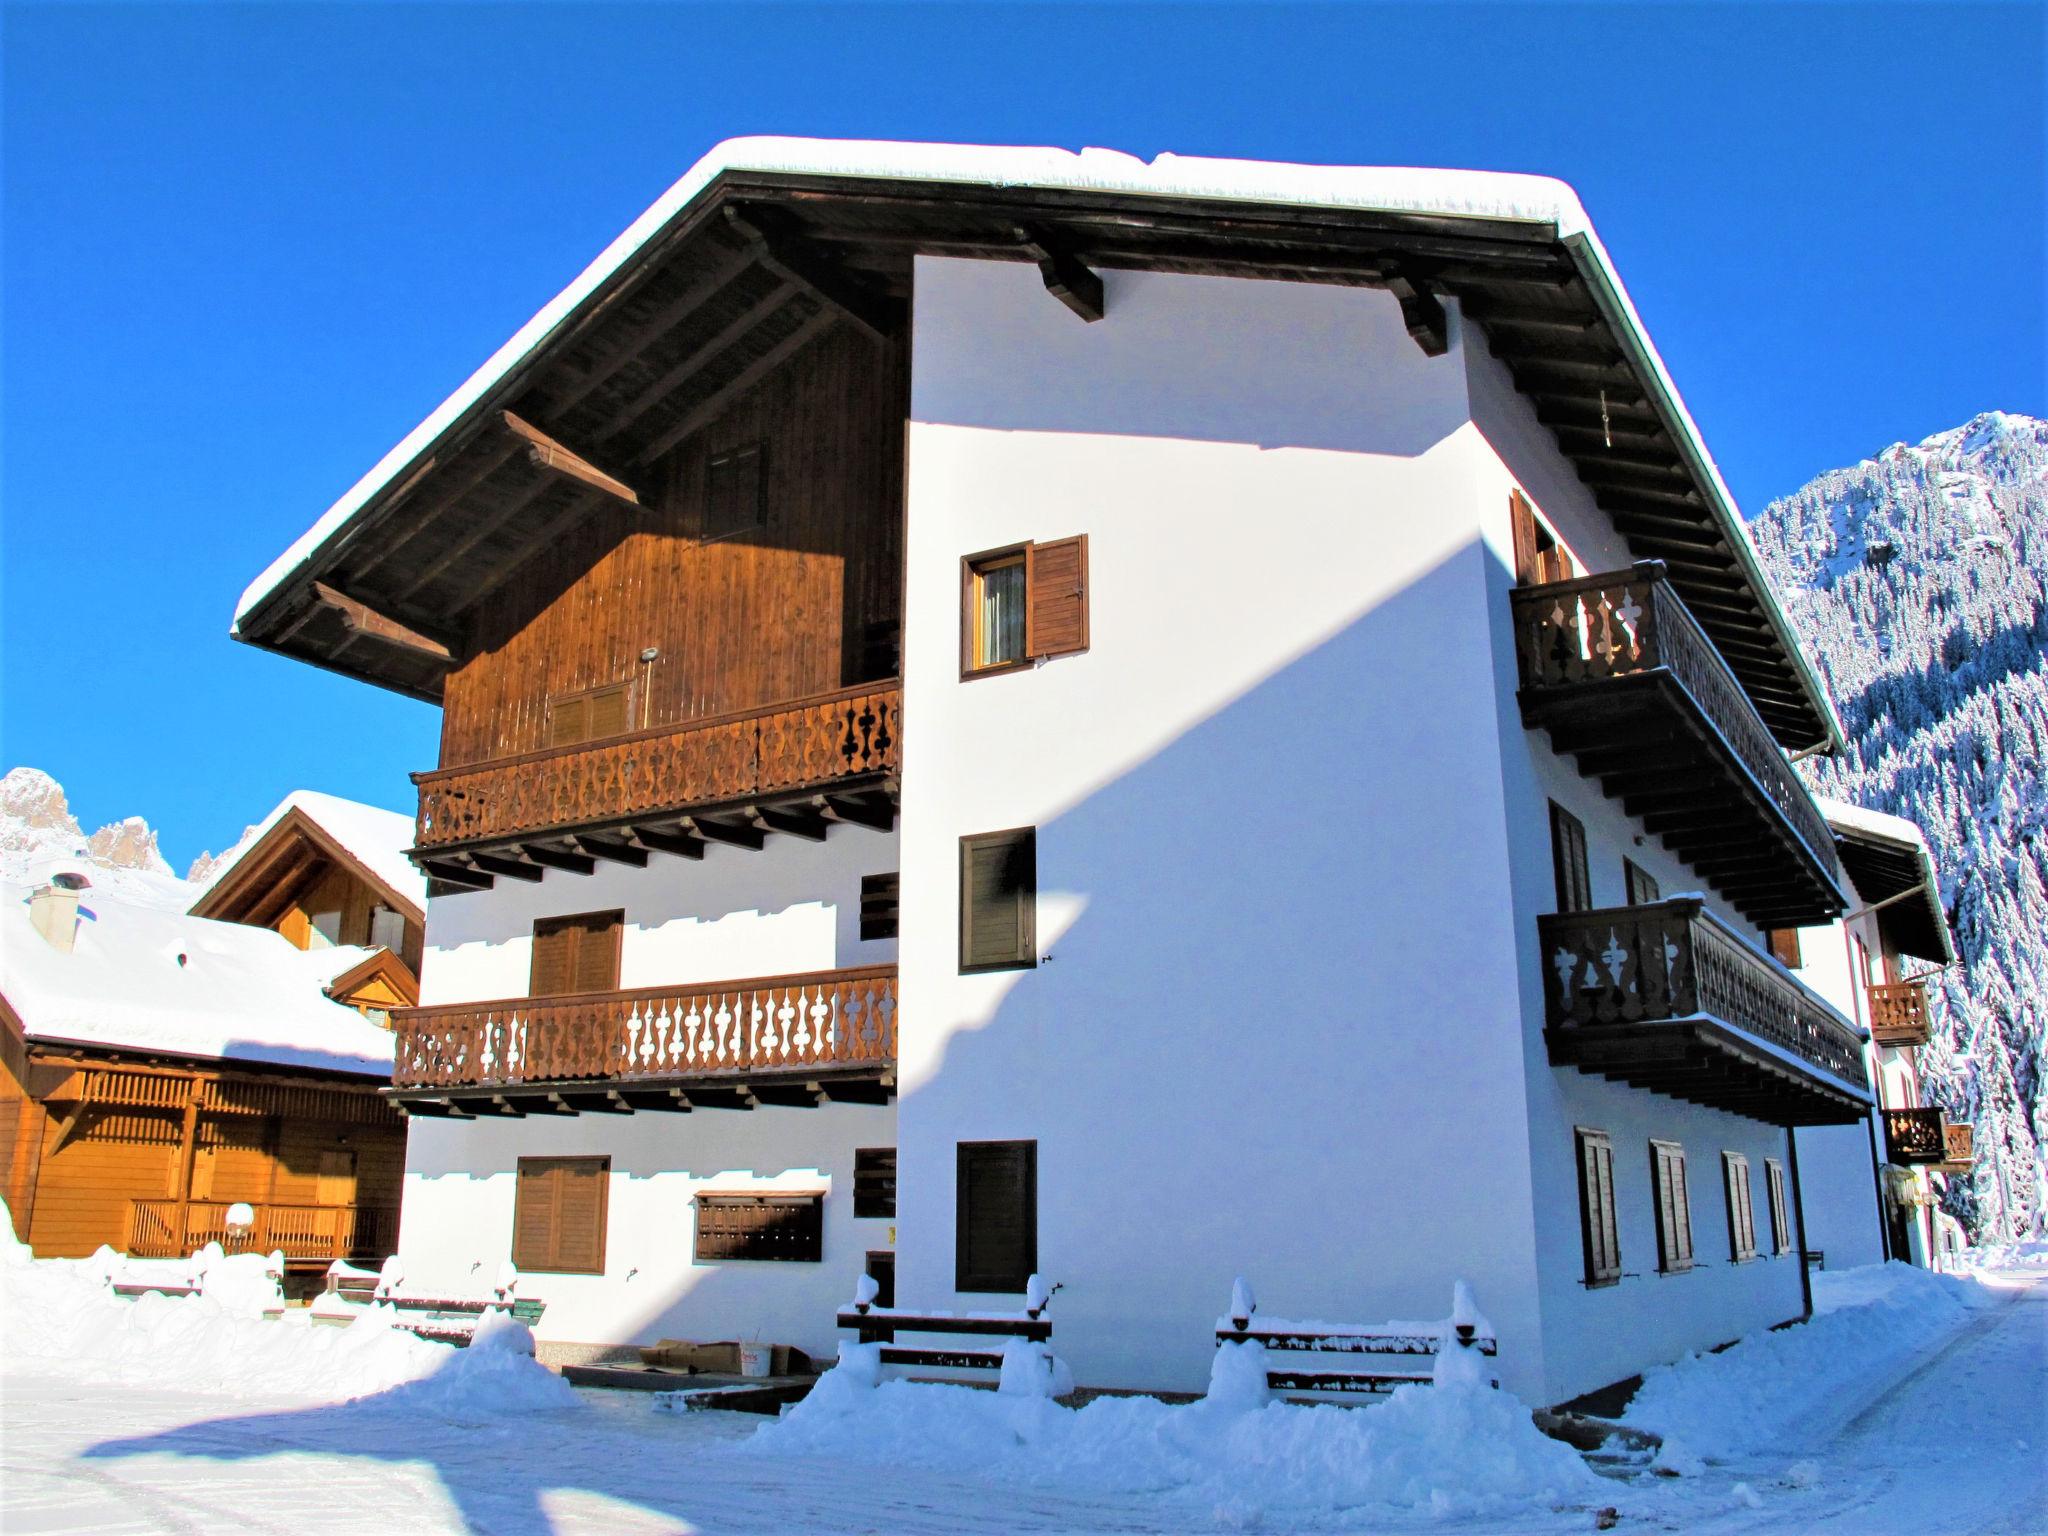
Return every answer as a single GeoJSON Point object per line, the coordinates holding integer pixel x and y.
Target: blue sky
{"type": "Point", "coordinates": [246, 249]}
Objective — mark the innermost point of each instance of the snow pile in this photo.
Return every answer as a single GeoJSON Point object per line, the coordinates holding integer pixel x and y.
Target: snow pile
{"type": "Point", "coordinates": [1803, 1381]}
{"type": "Point", "coordinates": [1436, 1451]}
{"type": "Point", "coordinates": [57, 1316]}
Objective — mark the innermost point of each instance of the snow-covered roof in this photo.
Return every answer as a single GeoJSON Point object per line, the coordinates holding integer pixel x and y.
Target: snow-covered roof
{"type": "Point", "coordinates": [1449, 194]}
{"type": "Point", "coordinates": [1844, 817]}
{"type": "Point", "coordinates": [1887, 858]}
{"type": "Point", "coordinates": [375, 838]}
{"type": "Point", "coordinates": [140, 978]}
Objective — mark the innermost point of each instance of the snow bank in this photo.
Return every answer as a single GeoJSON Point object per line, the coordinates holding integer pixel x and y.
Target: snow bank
{"type": "Point", "coordinates": [1803, 1381]}
{"type": "Point", "coordinates": [1434, 1451]}
{"type": "Point", "coordinates": [57, 1316]}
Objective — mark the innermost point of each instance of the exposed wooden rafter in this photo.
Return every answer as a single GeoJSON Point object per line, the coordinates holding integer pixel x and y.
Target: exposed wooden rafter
{"type": "Point", "coordinates": [1067, 278]}
{"type": "Point", "coordinates": [364, 622]}
{"type": "Point", "coordinates": [779, 247]}
{"type": "Point", "coordinates": [553, 457]}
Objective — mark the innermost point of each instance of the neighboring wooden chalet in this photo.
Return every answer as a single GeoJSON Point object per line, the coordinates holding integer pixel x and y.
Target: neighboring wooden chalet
{"type": "Point", "coordinates": [161, 1067]}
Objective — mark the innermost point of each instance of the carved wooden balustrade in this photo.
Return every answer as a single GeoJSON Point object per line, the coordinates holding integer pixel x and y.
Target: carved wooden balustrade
{"type": "Point", "coordinates": [735, 760]}
{"type": "Point", "coordinates": [1913, 1136]}
{"type": "Point", "coordinates": [1669, 997]}
{"type": "Point", "coordinates": [1585, 648]}
{"type": "Point", "coordinates": [307, 1234]}
{"type": "Point", "coordinates": [824, 1023]}
{"type": "Point", "coordinates": [1898, 1013]}
{"type": "Point", "coordinates": [1959, 1148]}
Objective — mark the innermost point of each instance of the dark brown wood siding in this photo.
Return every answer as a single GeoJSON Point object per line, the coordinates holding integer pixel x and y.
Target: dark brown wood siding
{"type": "Point", "coordinates": [808, 601]}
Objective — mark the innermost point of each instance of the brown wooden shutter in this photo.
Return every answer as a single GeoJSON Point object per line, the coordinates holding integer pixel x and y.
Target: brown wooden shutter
{"type": "Point", "coordinates": [1568, 861]}
{"type": "Point", "coordinates": [1523, 518]}
{"type": "Point", "coordinates": [1598, 1238]}
{"type": "Point", "coordinates": [999, 900]}
{"type": "Point", "coordinates": [554, 958]}
{"type": "Point", "coordinates": [608, 712]}
{"type": "Point", "coordinates": [1056, 597]}
{"type": "Point", "coordinates": [1785, 947]}
{"type": "Point", "coordinates": [879, 899]}
{"type": "Point", "coordinates": [996, 1220]}
{"type": "Point", "coordinates": [1642, 889]}
{"type": "Point", "coordinates": [597, 951]}
{"type": "Point", "coordinates": [874, 1181]}
{"type": "Point", "coordinates": [558, 1214]}
{"type": "Point", "coordinates": [578, 953]}
{"type": "Point", "coordinates": [568, 721]}
{"type": "Point", "coordinates": [1781, 1221]}
{"type": "Point", "coordinates": [533, 1217]}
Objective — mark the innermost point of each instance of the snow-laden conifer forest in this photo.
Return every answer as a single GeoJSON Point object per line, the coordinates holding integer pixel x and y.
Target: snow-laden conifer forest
{"type": "Point", "coordinates": [1920, 581]}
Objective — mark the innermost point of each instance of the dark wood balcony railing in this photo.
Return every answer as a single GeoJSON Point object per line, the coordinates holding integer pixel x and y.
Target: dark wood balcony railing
{"type": "Point", "coordinates": [1959, 1148]}
{"type": "Point", "coordinates": [1668, 997]}
{"type": "Point", "coordinates": [1913, 1136]}
{"type": "Point", "coordinates": [307, 1234]}
{"type": "Point", "coordinates": [1626, 681]}
{"type": "Point", "coordinates": [523, 813]}
{"type": "Point", "coordinates": [1898, 1013]}
{"type": "Point", "coordinates": [760, 1040]}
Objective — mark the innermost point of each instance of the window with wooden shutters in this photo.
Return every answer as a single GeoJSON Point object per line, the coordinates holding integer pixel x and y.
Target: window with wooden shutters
{"type": "Point", "coordinates": [879, 895]}
{"type": "Point", "coordinates": [1539, 557]}
{"type": "Point", "coordinates": [1026, 603]}
{"type": "Point", "coordinates": [1568, 860]}
{"type": "Point", "coordinates": [996, 1223]}
{"type": "Point", "coordinates": [1785, 947]}
{"type": "Point", "coordinates": [1600, 1239]}
{"type": "Point", "coordinates": [592, 715]}
{"type": "Point", "coordinates": [881, 1268]}
{"type": "Point", "coordinates": [558, 1214]}
{"type": "Point", "coordinates": [735, 492]}
{"type": "Point", "coordinates": [1674, 1207]}
{"type": "Point", "coordinates": [874, 1181]}
{"type": "Point", "coordinates": [578, 953]}
{"type": "Point", "coordinates": [1741, 1212]}
{"type": "Point", "coordinates": [999, 900]}
{"type": "Point", "coordinates": [1642, 889]}
{"type": "Point", "coordinates": [784, 1226]}
{"type": "Point", "coordinates": [1781, 1216]}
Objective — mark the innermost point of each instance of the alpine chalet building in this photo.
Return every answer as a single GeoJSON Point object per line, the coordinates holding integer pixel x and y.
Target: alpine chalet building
{"type": "Point", "coordinates": [1009, 711]}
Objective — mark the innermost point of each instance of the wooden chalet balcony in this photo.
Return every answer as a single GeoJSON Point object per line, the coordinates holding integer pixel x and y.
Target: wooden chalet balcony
{"type": "Point", "coordinates": [1623, 678]}
{"type": "Point", "coordinates": [797, 1040]}
{"type": "Point", "coordinates": [310, 1235]}
{"type": "Point", "coordinates": [795, 767]}
{"type": "Point", "coordinates": [1668, 997]}
{"type": "Point", "coordinates": [1898, 1013]}
{"type": "Point", "coordinates": [1959, 1148]}
{"type": "Point", "coordinates": [1915, 1136]}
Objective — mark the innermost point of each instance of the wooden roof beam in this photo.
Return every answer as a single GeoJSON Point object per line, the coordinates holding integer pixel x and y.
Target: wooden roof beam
{"type": "Point", "coordinates": [445, 499]}
{"type": "Point", "coordinates": [698, 356]}
{"type": "Point", "coordinates": [719, 400]}
{"type": "Point", "coordinates": [664, 320]}
{"type": "Point", "coordinates": [554, 458]}
{"type": "Point", "coordinates": [483, 528]}
{"type": "Point", "coordinates": [780, 248]}
{"type": "Point", "coordinates": [579, 507]}
{"type": "Point", "coordinates": [1066, 277]}
{"type": "Point", "coordinates": [1421, 311]}
{"type": "Point", "coordinates": [363, 621]}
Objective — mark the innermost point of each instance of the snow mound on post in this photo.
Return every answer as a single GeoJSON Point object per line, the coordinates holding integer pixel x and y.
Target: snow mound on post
{"type": "Point", "coordinates": [1437, 1451]}
{"type": "Point", "coordinates": [1867, 1324]}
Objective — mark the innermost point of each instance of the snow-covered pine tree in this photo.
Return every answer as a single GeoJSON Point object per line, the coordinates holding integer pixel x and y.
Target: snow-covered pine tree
{"type": "Point", "coordinates": [1919, 579]}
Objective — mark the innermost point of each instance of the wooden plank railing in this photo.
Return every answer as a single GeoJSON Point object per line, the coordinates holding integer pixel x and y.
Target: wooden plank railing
{"type": "Point", "coordinates": [1627, 623]}
{"type": "Point", "coordinates": [1898, 1013]}
{"type": "Point", "coordinates": [1676, 960]}
{"type": "Point", "coordinates": [1915, 1136]}
{"type": "Point", "coordinates": [807, 744]}
{"type": "Point", "coordinates": [304, 1232]}
{"type": "Point", "coordinates": [783, 1023]}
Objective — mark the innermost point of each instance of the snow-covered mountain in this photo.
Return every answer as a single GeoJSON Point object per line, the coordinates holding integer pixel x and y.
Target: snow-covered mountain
{"type": "Point", "coordinates": [1920, 581]}
{"type": "Point", "coordinates": [36, 826]}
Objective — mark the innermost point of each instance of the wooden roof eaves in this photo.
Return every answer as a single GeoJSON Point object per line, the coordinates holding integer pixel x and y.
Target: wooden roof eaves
{"type": "Point", "coordinates": [380, 962]}
{"type": "Point", "coordinates": [230, 893]}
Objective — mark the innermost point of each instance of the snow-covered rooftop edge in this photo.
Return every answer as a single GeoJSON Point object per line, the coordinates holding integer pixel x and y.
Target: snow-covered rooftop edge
{"type": "Point", "coordinates": [375, 837]}
{"type": "Point", "coordinates": [1844, 817]}
{"type": "Point", "coordinates": [1444, 193]}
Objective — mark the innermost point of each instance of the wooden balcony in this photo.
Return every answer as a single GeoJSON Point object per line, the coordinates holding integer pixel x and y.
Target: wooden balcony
{"type": "Point", "coordinates": [1959, 1148]}
{"type": "Point", "coordinates": [1668, 997]}
{"type": "Point", "coordinates": [1898, 1013]}
{"type": "Point", "coordinates": [1621, 675]}
{"type": "Point", "coordinates": [1915, 1136]}
{"type": "Point", "coordinates": [311, 1236]}
{"type": "Point", "coordinates": [795, 1040]}
{"type": "Point", "coordinates": [737, 779]}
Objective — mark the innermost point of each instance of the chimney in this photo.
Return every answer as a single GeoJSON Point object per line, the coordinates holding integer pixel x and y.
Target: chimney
{"type": "Point", "coordinates": [53, 908]}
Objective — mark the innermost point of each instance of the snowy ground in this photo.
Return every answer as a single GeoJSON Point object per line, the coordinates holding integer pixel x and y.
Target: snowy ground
{"type": "Point", "coordinates": [1941, 1427]}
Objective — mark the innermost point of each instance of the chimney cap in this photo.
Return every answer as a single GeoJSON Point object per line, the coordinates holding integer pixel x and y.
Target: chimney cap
{"type": "Point", "coordinates": [64, 874]}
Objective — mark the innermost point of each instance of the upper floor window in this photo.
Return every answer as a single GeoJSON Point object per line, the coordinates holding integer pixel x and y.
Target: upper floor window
{"type": "Point", "coordinates": [879, 897]}
{"type": "Point", "coordinates": [1785, 947]}
{"type": "Point", "coordinates": [1539, 557]}
{"type": "Point", "coordinates": [1642, 889]}
{"type": "Point", "coordinates": [577, 953]}
{"type": "Point", "coordinates": [1568, 860]}
{"type": "Point", "coordinates": [1024, 603]}
{"type": "Point", "coordinates": [1674, 1207]}
{"type": "Point", "coordinates": [735, 492]}
{"type": "Point", "coordinates": [590, 715]}
{"type": "Point", "coordinates": [999, 901]}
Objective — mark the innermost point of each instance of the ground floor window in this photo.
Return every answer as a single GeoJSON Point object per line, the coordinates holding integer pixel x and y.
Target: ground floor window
{"type": "Point", "coordinates": [874, 1181]}
{"type": "Point", "coordinates": [1601, 1242]}
{"type": "Point", "coordinates": [558, 1214]}
{"type": "Point", "coordinates": [881, 1268]}
{"type": "Point", "coordinates": [1741, 1211]}
{"type": "Point", "coordinates": [1781, 1217]}
{"type": "Point", "coordinates": [774, 1224]}
{"type": "Point", "coordinates": [1674, 1207]}
{"type": "Point", "coordinates": [996, 1222]}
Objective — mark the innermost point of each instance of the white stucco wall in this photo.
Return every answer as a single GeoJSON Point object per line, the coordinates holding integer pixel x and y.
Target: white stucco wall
{"type": "Point", "coordinates": [456, 1220]}
{"type": "Point", "coordinates": [1273, 1032]}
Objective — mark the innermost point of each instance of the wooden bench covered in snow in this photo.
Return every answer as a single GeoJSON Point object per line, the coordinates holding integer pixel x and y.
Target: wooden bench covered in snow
{"type": "Point", "coordinates": [879, 1325]}
{"type": "Point", "coordinates": [1464, 1330]}
{"type": "Point", "coordinates": [351, 1291]}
